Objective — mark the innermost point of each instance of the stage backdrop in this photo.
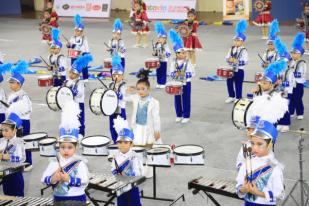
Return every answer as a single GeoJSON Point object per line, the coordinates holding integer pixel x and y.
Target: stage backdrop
{"type": "Point", "coordinates": [169, 9]}
{"type": "Point", "coordinates": [235, 9]}
{"type": "Point", "coordinates": [86, 8]}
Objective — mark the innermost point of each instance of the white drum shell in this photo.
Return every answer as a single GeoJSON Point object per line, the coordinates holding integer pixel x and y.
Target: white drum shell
{"type": "Point", "coordinates": [195, 158]}
{"type": "Point", "coordinates": [48, 149]}
{"type": "Point", "coordinates": [95, 150]}
{"type": "Point", "coordinates": [103, 101]}
{"type": "Point", "coordinates": [32, 140]}
{"type": "Point", "coordinates": [242, 113]}
{"type": "Point", "coordinates": [159, 159]}
{"type": "Point", "coordinates": [57, 96]}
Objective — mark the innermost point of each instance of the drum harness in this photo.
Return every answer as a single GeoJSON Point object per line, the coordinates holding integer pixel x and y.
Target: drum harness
{"type": "Point", "coordinates": [158, 52]}
{"type": "Point", "coordinates": [115, 50]}
{"type": "Point", "coordinates": [178, 69]}
{"type": "Point", "coordinates": [56, 64]}
{"type": "Point", "coordinates": [236, 55]}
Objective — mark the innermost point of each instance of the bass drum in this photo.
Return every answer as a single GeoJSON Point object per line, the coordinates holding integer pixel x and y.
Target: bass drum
{"type": "Point", "coordinates": [103, 101]}
{"type": "Point", "coordinates": [242, 113]}
{"type": "Point", "coordinates": [56, 97]}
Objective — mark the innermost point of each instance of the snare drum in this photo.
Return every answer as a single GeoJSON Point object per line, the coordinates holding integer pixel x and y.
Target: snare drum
{"type": "Point", "coordinates": [159, 156]}
{"type": "Point", "coordinates": [189, 155]}
{"type": "Point", "coordinates": [108, 63]}
{"type": "Point", "coordinates": [152, 63]}
{"type": "Point", "coordinates": [32, 140]}
{"type": "Point", "coordinates": [174, 87]}
{"type": "Point", "coordinates": [242, 113]}
{"type": "Point", "coordinates": [103, 101]}
{"type": "Point", "coordinates": [56, 97]}
{"type": "Point", "coordinates": [45, 81]}
{"type": "Point", "coordinates": [140, 153]}
{"type": "Point", "coordinates": [225, 72]}
{"type": "Point", "coordinates": [48, 147]}
{"type": "Point", "coordinates": [258, 76]}
{"type": "Point", "coordinates": [95, 145]}
{"type": "Point", "coordinates": [74, 53]}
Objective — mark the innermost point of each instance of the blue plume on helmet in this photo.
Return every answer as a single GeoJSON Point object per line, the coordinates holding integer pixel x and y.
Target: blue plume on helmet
{"type": "Point", "coordinates": [273, 31]}
{"type": "Point", "coordinates": [4, 68]}
{"type": "Point", "coordinates": [240, 29]}
{"type": "Point", "coordinates": [176, 41]}
{"type": "Point", "coordinates": [281, 49]}
{"type": "Point", "coordinates": [116, 65]}
{"type": "Point", "coordinates": [55, 37]}
{"type": "Point", "coordinates": [78, 22]}
{"type": "Point", "coordinates": [298, 42]}
{"type": "Point", "coordinates": [160, 30]}
{"type": "Point", "coordinates": [117, 25]}
{"type": "Point", "coordinates": [81, 62]}
{"type": "Point", "coordinates": [21, 67]}
{"type": "Point", "coordinates": [273, 70]}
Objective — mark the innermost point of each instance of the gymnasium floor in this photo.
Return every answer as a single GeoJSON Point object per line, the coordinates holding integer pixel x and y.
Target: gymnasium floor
{"type": "Point", "coordinates": [210, 125]}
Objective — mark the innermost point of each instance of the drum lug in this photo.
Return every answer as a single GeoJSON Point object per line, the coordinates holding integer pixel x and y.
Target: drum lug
{"type": "Point", "coordinates": [191, 159]}
{"type": "Point", "coordinates": [151, 157]}
{"type": "Point", "coordinates": [96, 150]}
{"type": "Point", "coordinates": [42, 149]}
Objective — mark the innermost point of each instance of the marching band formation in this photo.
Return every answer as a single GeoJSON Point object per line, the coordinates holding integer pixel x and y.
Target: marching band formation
{"type": "Point", "coordinates": [265, 112]}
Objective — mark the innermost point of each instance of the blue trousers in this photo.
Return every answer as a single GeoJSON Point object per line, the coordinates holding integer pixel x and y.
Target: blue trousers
{"type": "Point", "coordinates": [297, 100]}
{"type": "Point", "coordinates": [183, 102]}
{"type": "Point", "coordinates": [130, 198]}
{"type": "Point", "coordinates": [255, 204]}
{"type": "Point", "coordinates": [286, 119]}
{"type": "Point", "coordinates": [161, 73]}
{"type": "Point", "coordinates": [2, 117]}
{"type": "Point", "coordinates": [114, 134]}
{"type": "Point", "coordinates": [85, 73]}
{"type": "Point", "coordinates": [81, 119]}
{"type": "Point", "coordinates": [59, 82]}
{"type": "Point", "coordinates": [123, 62]}
{"type": "Point", "coordinates": [13, 185]}
{"type": "Point", "coordinates": [236, 81]}
{"type": "Point", "coordinates": [26, 131]}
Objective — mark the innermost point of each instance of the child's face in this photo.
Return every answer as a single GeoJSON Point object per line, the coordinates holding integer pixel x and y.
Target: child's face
{"type": "Point", "coordinates": [116, 35]}
{"type": "Point", "coordinates": [142, 90]}
{"type": "Point", "coordinates": [238, 42]}
{"type": "Point", "coordinates": [49, 5]}
{"type": "Point", "coordinates": [259, 146]}
{"type": "Point", "coordinates": [67, 149]}
{"type": "Point", "coordinates": [271, 46]}
{"type": "Point", "coordinates": [54, 50]}
{"type": "Point", "coordinates": [46, 15]}
{"type": "Point", "coordinates": [266, 85]}
{"type": "Point", "coordinates": [78, 32]}
{"type": "Point", "coordinates": [191, 17]}
{"type": "Point", "coordinates": [15, 86]}
{"type": "Point", "coordinates": [162, 40]}
{"type": "Point", "coordinates": [73, 75]}
{"type": "Point", "coordinates": [295, 56]}
{"type": "Point", "coordinates": [124, 146]}
{"type": "Point", "coordinates": [7, 131]}
{"type": "Point", "coordinates": [181, 55]}
{"type": "Point", "coordinates": [118, 77]}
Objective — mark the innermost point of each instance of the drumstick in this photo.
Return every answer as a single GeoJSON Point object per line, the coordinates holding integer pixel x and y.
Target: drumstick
{"type": "Point", "coordinates": [102, 83]}
{"type": "Point", "coordinates": [117, 167]}
{"type": "Point", "coordinates": [107, 45]}
{"type": "Point", "coordinates": [59, 162]}
{"type": "Point", "coordinates": [4, 103]}
{"type": "Point", "coordinates": [115, 84]}
{"type": "Point", "coordinates": [250, 156]}
{"type": "Point", "coordinates": [44, 61]}
{"type": "Point", "coordinates": [245, 156]}
{"type": "Point", "coordinates": [66, 39]}
{"type": "Point", "coordinates": [262, 59]}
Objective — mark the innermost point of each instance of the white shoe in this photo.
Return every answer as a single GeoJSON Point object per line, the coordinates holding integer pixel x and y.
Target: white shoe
{"type": "Point", "coordinates": [158, 86]}
{"type": "Point", "coordinates": [28, 168]}
{"type": "Point", "coordinates": [229, 100]}
{"type": "Point", "coordinates": [162, 86]}
{"type": "Point", "coordinates": [285, 129]}
{"type": "Point", "coordinates": [185, 120]}
{"type": "Point", "coordinates": [279, 127]}
{"type": "Point", "coordinates": [300, 117]}
{"type": "Point", "coordinates": [264, 37]}
{"type": "Point", "coordinates": [178, 119]}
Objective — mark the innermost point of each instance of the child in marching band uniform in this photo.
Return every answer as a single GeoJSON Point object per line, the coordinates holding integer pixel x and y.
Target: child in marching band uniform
{"type": "Point", "coordinates": [140, 23]}
{"type": "Point", "coordinates": [12, 150]}
{"type": "Point", "coordinates": [79, 43]}
{"type": "Point", "coordinates": [181, 70]}
{"type": "Point", "coordinates": [2, 98]}
{"type": "Point", "coordinates": [68, 172]}
{"type": "Point", "coordinates": [192, 42]}
{"type": "Point", "coordinates": [120, 86]}
{"type": "Point", "coordinates": [237, 58]}
{"type": "Point", "coordinates": [126, 162]}
{"type": "Point", "coordinates": [146, 122]}
{"type": "Point", "coordinates": [299, 67]}
{"type": "Point", "coordinates": [271, 55]}
{"type": "Point", "coordinates": [116, 44]}
{"type": "Point", "coordinates": [78, 87]}
{"type": "Point", "coordinates": [20, 99]}
{"type": "Point", "coordinates": [57, 60]}
{"type": "Point", "coordinates": [162, 51]}
{"type": "Point", "coordinates": [264, 19]}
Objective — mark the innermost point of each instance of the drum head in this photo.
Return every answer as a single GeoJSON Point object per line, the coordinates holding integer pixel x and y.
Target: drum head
{"type": "Point", "coordinates": [188, 150]}
{"type": "Point", "coordinates": [64, 94]}
{"type": "Point", "coordinates": [44, 77]}
{"type": "Point", "coordinates": [152, 59]}
{"type": "Point", "coordinates": [138, 149]}
{"type": "Point", "coordinates": [108, 60]}
{"type": "Point", "coordinates": [158, 151]}
{"type": "Point", "coordinates": [174, 83]}
{"type": "Point", "coordinates": [47, 141]}
{"type": "Point", "coordinates": [109, 102]}
{"type": "Point", "coordinates": [34, 136]}
{"type": "Point", "coordinates": [95, 141]}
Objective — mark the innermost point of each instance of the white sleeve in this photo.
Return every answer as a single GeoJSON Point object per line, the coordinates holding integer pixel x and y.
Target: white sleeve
{"type": "Point", "coordinates": [130, 97]}
{"type": "Point", "coordinates": [27, 105]}
{"type": "Point", "coordinates": [156, 116]}
{"type": "Point", "coordinates": [275, 187]}
{"type": "Point", "coordinates": [83, 173]}
{"type": "Point", "coordinates": [137, 167]}
{"type": "Point", "coordinates": [86, 46]}
{"type": "Point", "coordinates": [240, 159]}
{"type": "Point", "coordinates": [1, 58]}
{"type": "Point", "coordinates": [19, 152]}
{"type": "Point", "coordinates": [72, 40]}
{"type": "Point", "coordinates": [122, 47]}
{"type": "Point", "coordinates": [244, 56]}
{"type": "Point", "coordinates": [80, 89]}
{"type": "Point", "coordinates": [302, 69]}
{"type": "Point", "coordinates": [172, 69]}
{"type": "Point", "coordinates": [189, 70]}
{"type": "Point", "coordinates": [167, 51]}
{"type": "Point", "coordinates": [240, 180]}
{"type": "Point", "coordinates": [228, 55]}
{"type": "Point", "coordinates": [50, 170]}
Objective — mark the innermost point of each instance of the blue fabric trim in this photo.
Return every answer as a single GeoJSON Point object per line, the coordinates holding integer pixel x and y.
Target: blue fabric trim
{"type": "Point", "coordinates": [122, 167]}
{"type": "Point", "coordinates": [256, 204]}
{"type": "Point", "coordinates": [14, 158]}
{"type": "Point", "coordinates": [72, 198]}
{"type": "Point", "coordinates": [271, 195]}
{"type": "Point", "coordinates": [173, 74]}
{"type": "Point", "coordinates": [70, 166]}
{"type": "Point", "coordinates": [258, 173]}
{"type": "Point", "coordinates": [188, 74]}
{"type": "Point", "coordinates": [76, 182]}
{"type": "Point", "coordinates": [47, 180]}
{"type": "Point", "coordinates": [61, 69]}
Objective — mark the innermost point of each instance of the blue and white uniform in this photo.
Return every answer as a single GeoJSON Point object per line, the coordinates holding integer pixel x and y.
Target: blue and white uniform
{"type": "Point", "coordinates": [269, 57]}
{"type": "Point", "coordinates": [2, 98]}
{"type": "Point", "coordinates": [118, 48]}
{"type": "Point", "coordinates": [59, 64]}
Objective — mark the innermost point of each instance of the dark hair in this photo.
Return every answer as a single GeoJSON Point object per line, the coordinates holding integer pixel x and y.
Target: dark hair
{"type": "Point", "coordinates": [191, 11]}
{"type": "Point", "coordinates": [74, 143]}
{"type": "Point", "coordinates": [143, 77]}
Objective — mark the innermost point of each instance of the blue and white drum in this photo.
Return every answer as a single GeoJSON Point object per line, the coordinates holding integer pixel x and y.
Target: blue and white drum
{"type": "Point", "coordinates": [32, 140]}
{"type": "Point", "coordinates": [159, 156]}
{"type": "Point", "coordinates": [189, 155]}
{"type": "Point", "coordinates": [95, 145]}
{"type": "Point", "coordinates": [48, 147]}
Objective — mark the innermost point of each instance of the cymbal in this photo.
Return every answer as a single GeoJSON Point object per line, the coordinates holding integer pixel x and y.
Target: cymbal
{"type": "Point", "coordinates": [299, 132]}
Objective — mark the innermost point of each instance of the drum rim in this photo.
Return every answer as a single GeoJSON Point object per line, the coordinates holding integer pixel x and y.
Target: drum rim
{"type": "Point", "coordinates": [101, 102]}
{"type": "Point", "coordinates": [90, 101]}
{"type": "Point", "coordinates": [245, 114]}
{"type": "Point", "coordinates": [95, 146]}
{"type": "Point", "coordinates": [112, 147]}
{"type": "Point", "coordinates": [57, 95]}
{"type": "Point", "coordinates": [46, 144]}
{"type": "Point", "coordinates": [159, 153]}
{"type": "Point", "coordinates": [32, 140]}
{"type": "Point", "coordinates": [46, 99]}
{"type": "Point", "coordinates": [191, 154]}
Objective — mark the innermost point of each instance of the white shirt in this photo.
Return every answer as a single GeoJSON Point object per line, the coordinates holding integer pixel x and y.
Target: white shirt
{"type": "Point", "coordinates": [118, 47]}
{"type": "Point", "coordinates": [15, 147]}
{"type": "Point", "coordinates": [78, 87]}
{"type": "Point", "coordinates": [288, 76]}
{"type": "Point", "coordinates": [239, 53]}
{"type": "Point", "coordinates": [301, 68]}
{"type": "Point", "coordinates": [79, 43]}
{"type": "Point", "coordinates": [272, 184]}
{"type": "Point", "coordinates": [135, 167]}
{"type": "Point", "coordinates": [270, 56]}
{"type": "Point", "coordinates": [3, 98]}
{"type": "Point", "coordinates": [79, 176]}
{"type": "Point", "coordinates": [60, 66]}
{"type": "Point", "coordinates": [20, 103]}
{"type": "Point", "coordinates": [185, 66]}
{"type": "Point", "coordinates": [163, 51]}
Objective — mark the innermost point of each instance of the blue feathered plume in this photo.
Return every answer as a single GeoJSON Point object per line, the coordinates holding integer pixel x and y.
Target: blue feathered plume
{"type": "Point", "coordinates": [299, 40]}
{"type": "Point", "coordinates": [55, 37]}
{"type": "Point", "coordinates": [82, 62]}
{"type": "Point", "coordinates": [21, 67]}
{"type": "Point", "coordinates": [280, 47]}
{"type": "Point", "coordinates": [273, 29]}
{"type": "Point", "coordinates": [117, 25]}
{"type": "Point", "coordinates": [77, 20]}
{"type": "Point", "coordinates": [277, 67]}
{"type": "Point", "coordinates": [159, 27]}
{"type": "Point", "coordinates": [241, 27]}
{"type": "Point", "coordinates": [116, 60]}
{"type": "Point", "coordinates": [4, 68]}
